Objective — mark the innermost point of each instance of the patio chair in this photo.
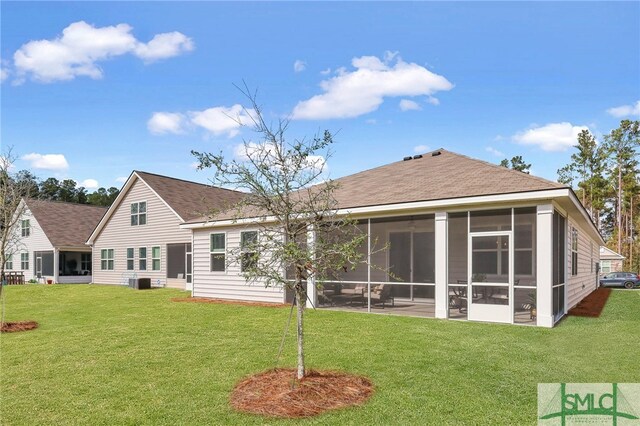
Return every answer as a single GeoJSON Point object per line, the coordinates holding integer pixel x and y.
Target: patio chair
{"type": "Point", "coordinates": [382, 294]}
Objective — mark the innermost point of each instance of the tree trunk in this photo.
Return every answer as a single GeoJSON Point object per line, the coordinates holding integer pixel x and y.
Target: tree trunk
{"type": "Point", "coordinates": [619, 218]}
{"type": "Point", "coordinates": [301, 299]}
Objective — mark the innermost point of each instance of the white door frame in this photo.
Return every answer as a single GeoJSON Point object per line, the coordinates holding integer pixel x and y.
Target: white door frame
{"type": "Point", "coordinates": [490, 313]}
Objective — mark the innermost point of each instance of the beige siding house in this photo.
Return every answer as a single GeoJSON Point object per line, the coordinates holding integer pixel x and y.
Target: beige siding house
{"type": "Point", "coordinates": [140, 236]}
{"type": "Point", "coordinates": [50, 241]}
{"type": "Point", "coordinates": [610, 261]}
{"type": "Point", "coordinates": [465, 240]}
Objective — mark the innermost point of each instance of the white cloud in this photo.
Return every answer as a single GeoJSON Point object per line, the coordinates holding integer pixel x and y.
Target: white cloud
{"type": "Point", "coordinates": [354, 93]}
{"type": "Point", "coordinates": [163, 46]}
{"type": "Point", "coordinates": [420, 149]}
{"type": "Point", "coordinates": [326, 72]}
{"type": "Point", "coordinates": [89, 183]}
{"type": "Point", "coordinates": [494, 151]}
{"type": "Point", "coordinates": [371, 121]}
{"type": "Point", "coordinates": [222, 120]}
{"type": "Point", "coordinates": [166, 122]}
{"type": "Point", "coordinates": [625, 110]}
{"type": "Point", "coordinates": [121, 179]}
{"type": "Point", "coordinates": [244, 151]}
{"type": "Point", "coordinates": [409, 105]}
{"type": "Point", "coordinates": [299, 66]}
{"type": "Point", "coordinates": [81, 46]}
{"type": "Point", "coordinates": [46, 161]}
{"type": "Point", "coordinates": [433, 101]}
{"type": "Point", "coordinates": [217, 121]}
{"type": "Point", "coordinates": [550, 137]}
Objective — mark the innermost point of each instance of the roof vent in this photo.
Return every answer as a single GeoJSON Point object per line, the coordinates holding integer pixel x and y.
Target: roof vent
{"type": "Point", "coordinates": [407, 158]}
{"type": "Point", "coordinates": [415, 157]}
{"type": "Point", "coordinates": [435, 153]}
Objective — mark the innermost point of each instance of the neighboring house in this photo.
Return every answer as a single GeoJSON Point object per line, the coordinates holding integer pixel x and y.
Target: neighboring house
{"type": "Point", "coordinates": [140, 237]}
{"type": "Point", "coordinates": [610, 261]}
{"type": "Point", "coordinates": [51, 239]}
{"type": "Point", "coordinates": [466, 240]}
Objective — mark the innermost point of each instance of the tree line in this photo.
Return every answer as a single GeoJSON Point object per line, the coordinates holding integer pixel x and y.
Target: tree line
{"type": "Point", "coordinates": [605, 176]}
{"type": "Point", "coordinates": [606, 179]}
{"type": "Point", "coordinates": [66, 190]}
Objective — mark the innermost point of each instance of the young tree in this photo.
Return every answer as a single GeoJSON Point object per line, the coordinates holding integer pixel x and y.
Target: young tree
{"type": "Point", "coordinates": [286, 202]}
{"type": "Point", "coordinates": [517, 163]}
{"type": "Point", "coordinates": [12, 190]}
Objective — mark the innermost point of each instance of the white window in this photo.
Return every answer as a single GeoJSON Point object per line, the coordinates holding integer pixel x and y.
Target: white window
{"type": "Point", "coordinates": [155, 258]}
{"type": "Point", "coordinates": [130, 259]}
{"type": "Point", "coordinates": [26, 227]}
{"type": "Point", "coordinates": [606, 266]}
{"type": "Point", "coordinates": [142, 258]}
{"type": "Point", "coordinates": [8, 262]}
{"type": "Point", "coordinates": [85, 262]}
{"type": "Point", "coordinates": [139, 213]}
{"type": "Point", "coordinates": [218, 252]}
{"type": "Point", "coordinates": [574, 251]}
{"type": "Point", "coordinates": [24, 261]}
{"type": "Point", "coordinates": [248, 247]}
{"type": "Point", "coordinates": [106, 259]}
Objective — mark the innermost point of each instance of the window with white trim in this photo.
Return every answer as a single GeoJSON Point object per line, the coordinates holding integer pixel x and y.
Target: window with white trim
{"type": "Point", "coordinates": [155, 258]}
{"type": "Point", "coordinates": [8, 262]}
{"type": "Point", "coordinates": [248, 249]}
{"type": "Point", "coordinates": [130, 259]}
{"type": "Point", "coordinates": [24, 261]}
{"type": "Point", "coordinates": [25, 226]}
{"type": "Point", "coordinates": [142, 258]}
{"type": "Point", "coordinates": [139, 213]}
{"type": "Point", "coordinates": [574, 251]}
{"type": "Point", "coordinates": [218, 252]}
{"type": "Point", "coordinates": [106, 259]}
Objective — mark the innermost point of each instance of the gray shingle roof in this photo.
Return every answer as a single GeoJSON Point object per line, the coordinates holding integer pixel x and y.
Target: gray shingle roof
{"type": "Point", "coordinates": [65, 224]}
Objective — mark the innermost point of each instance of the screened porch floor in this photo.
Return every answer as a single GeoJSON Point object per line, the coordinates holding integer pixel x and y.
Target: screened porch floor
{"type": "Point", "coordinates": [422, 308]}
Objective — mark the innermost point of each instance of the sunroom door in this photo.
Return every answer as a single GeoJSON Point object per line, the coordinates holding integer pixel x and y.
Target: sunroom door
{"type": "Point", "coordinates": [489, 295]}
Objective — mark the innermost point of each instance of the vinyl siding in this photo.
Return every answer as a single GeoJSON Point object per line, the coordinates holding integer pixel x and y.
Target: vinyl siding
{"type": "Point", "coordinates": [580, 285]}
{"type": "Point", "coordinates": [36, 241]}
{"type": "Point", "coordinates": [230, 284]}
{"type": "Point", "coordinates": [162, 228]}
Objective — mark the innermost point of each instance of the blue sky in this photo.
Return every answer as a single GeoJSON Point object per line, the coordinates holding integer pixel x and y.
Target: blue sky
{"type": "Point", "coordinates": [91, 90]}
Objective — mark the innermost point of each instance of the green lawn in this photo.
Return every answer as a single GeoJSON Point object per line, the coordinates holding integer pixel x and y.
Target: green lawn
{"type": "Point", "coordinates": [106, 355]}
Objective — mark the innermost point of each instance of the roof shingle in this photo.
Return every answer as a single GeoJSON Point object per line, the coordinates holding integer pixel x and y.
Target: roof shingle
{"type": "Point", "coordinates": [445, 175]}
{"type": "Point", "coordinates": [65, 224]}
{"type": "Point", "coordinates": [190, 199]}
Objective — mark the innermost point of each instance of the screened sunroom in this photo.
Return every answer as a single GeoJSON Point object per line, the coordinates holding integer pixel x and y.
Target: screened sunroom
{"type": "Point", "coordinates": [488, 263]}
{"type": "Point", "coordinates": [398, 275]}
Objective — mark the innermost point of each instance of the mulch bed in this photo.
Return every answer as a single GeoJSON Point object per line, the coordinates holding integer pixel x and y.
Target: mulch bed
{"type": "Point", "coordinates": [277, 393]}
{"type": "Point", "coordinates": [11, 327]}
{"type": "Point", "coordinates": [592, 305]}
{"type": "Point", "coordinates": [227, 302]}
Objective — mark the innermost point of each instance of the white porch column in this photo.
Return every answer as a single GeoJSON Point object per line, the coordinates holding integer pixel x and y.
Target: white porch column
{"type": "Point", "coordinates": [56, 266]}
{"type": "Point", "coordinates": [544, 269]}
{"type": "Point", "coordinates": [312, 290]}
{"type": "Point", "coordinates": [442, 301]}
